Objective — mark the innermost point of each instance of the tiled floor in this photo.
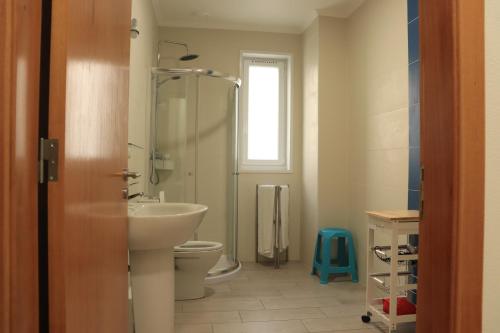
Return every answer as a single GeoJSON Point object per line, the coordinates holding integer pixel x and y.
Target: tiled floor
{"type": "Point", "coordinates": [289, 300]}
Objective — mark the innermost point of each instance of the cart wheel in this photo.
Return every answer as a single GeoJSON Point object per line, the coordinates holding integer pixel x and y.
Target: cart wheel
{"type": "Point", "coordinates": [365, 319]}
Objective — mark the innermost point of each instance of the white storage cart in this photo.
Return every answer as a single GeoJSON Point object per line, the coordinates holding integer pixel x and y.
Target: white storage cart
{"type": "Point", "coordinates": [393, 281]}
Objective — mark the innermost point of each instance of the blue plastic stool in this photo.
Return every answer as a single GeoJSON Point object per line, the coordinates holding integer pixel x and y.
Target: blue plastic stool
{"type": "Point", "coordinates": [322, 260]}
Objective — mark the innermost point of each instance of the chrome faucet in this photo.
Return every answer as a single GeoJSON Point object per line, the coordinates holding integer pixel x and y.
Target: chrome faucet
{"type": "Point", "coordinates": [135, 195]}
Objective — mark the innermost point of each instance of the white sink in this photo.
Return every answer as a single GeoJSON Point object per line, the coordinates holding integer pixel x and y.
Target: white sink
{"type": "Point", "coordinates": [162, 225]}
{"type": "Point", "coordinates": [153, 231]}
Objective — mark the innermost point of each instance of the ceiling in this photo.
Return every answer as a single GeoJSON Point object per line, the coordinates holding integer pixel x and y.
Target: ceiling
{"type": "Point", "coordinates": [291, 16]}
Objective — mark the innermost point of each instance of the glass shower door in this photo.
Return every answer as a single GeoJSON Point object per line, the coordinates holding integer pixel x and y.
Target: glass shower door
{"type": "Point", "coordinates": [194, 153]}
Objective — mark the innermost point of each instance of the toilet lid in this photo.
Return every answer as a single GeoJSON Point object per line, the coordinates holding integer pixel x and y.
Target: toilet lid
{"type": "Point", "coordinates": [198, 246]}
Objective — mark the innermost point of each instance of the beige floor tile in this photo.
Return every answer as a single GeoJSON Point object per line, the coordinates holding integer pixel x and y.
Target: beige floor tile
{"type": "Point", "coordinates": [287, 326]}
{"type": "Point", "coordinates": [254, 266]}
{"type": "Point", "coordinates": [207, 317]}
{"type": "Point", "coordinates": [336, 324]}
{"type": "Point", "coordinates": [406, 328]}
{"type": "Point", "coordinates": [193, 328]}
{"type": "Point", "coordinates": [291, 275]}
{"type": "Point", "coordinates": [308, 285]}
{"type": "Point", "coordinates": [289, 300]}
{"type": "Point", "coordinates": [344, 293]}
{"type": "Point", "coordinates": [344, 310]}
{"type": "Point", "coordinates": [369, 330]}
{"type": "Point", "coordinates": [313, 281]}
{"type": "Point", "coordinates": [263, 275]}
{"type": "Point", "coordinates": [282, 314]}
{"type": "Point", "coordinates": [291, 265]}
{"type": "Point", "coordinates": [278, 275]}
{"type": "Point", "coordinates": [240, 276]}
{"type": "Point", "coordinates": [290, 303]}
{"type": "Point", "coordinates": [217, 288]}
{"type": "Point", "coordinates": [264, 285]}
{"type": "Point", "coordinates": [311, 292]}
{"type": "Point", "coordinates": [255, 292]}
{"type": "Point", "coordinates": [222, 304]}
{"type": "Point", "coordinates": [380, 327]}
{"type": "Point", "coordinates": [352, 298]}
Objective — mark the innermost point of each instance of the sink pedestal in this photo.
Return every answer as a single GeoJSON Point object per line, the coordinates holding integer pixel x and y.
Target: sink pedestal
{"type": "Point", "coordinates": [152, 274]}
{"type": "Point", "coordinates": [153, 231]}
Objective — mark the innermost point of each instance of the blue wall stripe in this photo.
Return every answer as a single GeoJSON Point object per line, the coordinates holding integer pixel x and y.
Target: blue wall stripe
{"type": "Point", "coordinates": [414, 174]}
{"type": "Point", "coordinates": [414, 82]}
{"type": "Point", "coordinates": [414, 120]}
{"type": "Point", "coordinates": [413, 44]}
{"type": "Point", "coordinates": [412, 10]}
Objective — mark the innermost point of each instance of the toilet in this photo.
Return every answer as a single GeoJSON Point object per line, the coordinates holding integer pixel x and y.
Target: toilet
{"type": "Point", "coordinates": [193, 260]}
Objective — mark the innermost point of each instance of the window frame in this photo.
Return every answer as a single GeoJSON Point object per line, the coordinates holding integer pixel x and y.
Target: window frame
{"type": "Point", "coordinates": [283, 165]}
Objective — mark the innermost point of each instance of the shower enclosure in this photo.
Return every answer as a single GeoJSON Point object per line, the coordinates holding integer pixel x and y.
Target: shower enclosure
{"type": "Point", "coordinates": [194, 151]}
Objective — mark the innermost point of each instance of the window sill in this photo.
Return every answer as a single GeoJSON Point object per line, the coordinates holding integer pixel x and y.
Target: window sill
{"type": "Point", "coordinates": [265, 172]}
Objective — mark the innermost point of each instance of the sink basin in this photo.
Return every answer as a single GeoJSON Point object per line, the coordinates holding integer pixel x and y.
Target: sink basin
{"type": "Point", "coordinates": [162, 225]}
{"type": "Point", "coordinates": [153, 231]}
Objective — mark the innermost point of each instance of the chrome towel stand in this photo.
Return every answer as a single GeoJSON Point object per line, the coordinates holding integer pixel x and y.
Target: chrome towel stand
{"type": "Point", "coordinates": [278, 250]}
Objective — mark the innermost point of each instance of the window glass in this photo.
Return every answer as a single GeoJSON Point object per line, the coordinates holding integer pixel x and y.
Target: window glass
{"type": "Point", "coordinates": [263, 113]}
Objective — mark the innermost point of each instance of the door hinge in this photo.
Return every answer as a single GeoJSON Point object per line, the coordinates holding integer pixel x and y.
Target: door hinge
{"type": "Point", "coordinates": [49, 160]}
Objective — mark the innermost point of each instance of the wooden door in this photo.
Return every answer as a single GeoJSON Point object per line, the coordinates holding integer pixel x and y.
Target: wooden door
{"type": "Point", "coordinates": [452, 121]}
{"type": "Point", "coordinates": [20, 31]}
{"type": "Point", "coordinates": [87, 215]}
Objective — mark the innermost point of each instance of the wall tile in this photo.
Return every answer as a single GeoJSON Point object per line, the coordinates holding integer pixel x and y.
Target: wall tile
{"type": "Point", "coordinates": [387, 168]}
{"type": "Point", "coordinates": [386, 91]}
{"type": "Point", "coordinates": [412, 10]}
{"type": "Point", "coordinates": [414, 128]}
{"type": "Point", "coordinates": [413, 42]}
{"type": "Point", "coordinates": [388, 130]}
{"type": "Point", "coordinates": [413, 200]}
{"type": "Point", "coordinates": [414, 81]}
{"type": "Point", "coordinates": [414, 169]}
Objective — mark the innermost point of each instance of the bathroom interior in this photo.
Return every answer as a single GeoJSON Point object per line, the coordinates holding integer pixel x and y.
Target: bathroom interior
{"type": "Point", "coordinates": [266, 125]}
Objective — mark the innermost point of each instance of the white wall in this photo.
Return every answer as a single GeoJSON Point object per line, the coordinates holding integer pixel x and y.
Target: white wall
{"type": "Point", "coordinates": [378, 54]}
{"type": "Point", "coordinates": [142, 56]}
{"type": "Point", "coordinates": [220, 50]}
{"type": "Point", "coordinates": [355, 153]}
{"type": "Point", "coordinates": [325, 126]}
{"type": "Point", "coordinates": [491, 286]}
{"type": "Point", "coordinates": [310, 144]}
{"type": "Point", "coordinates": [334, 134]}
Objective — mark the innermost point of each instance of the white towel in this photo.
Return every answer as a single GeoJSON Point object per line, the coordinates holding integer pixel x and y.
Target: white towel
{"type": "Point", "coordinates": [265, 216]}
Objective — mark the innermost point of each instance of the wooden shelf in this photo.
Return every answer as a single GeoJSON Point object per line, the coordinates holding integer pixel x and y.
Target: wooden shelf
{"type": "Point", "coordinates": [396, 215]}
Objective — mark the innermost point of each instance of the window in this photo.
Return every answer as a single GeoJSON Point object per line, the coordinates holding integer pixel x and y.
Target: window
{"type": "Point", "coordinates": [265, 141]}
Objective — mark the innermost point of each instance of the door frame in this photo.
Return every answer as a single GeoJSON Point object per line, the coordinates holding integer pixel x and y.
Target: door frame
{"type": "Point", "coordinates": [453, 157]}
{"type": "Point", "coordinates": [450, 279]}
{"type": "Point", "coordinates": [20, 33]}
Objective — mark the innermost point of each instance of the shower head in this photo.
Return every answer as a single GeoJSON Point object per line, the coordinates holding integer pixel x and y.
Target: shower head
{"type": "Point", "coordinates": [188, 57]}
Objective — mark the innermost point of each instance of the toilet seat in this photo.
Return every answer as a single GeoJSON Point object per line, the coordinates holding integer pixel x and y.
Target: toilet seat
{"type": "Point", "coordinates": [198, 246]}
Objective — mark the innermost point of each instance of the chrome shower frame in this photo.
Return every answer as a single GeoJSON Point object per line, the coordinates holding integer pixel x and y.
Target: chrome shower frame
{"type": "Point", "coordinates": [196, 71]}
